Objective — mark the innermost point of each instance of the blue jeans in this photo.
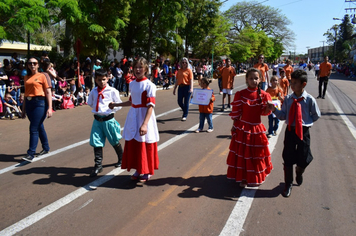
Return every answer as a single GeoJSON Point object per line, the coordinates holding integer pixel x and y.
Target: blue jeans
{"type": "Point", "coordinates": [220, 84]}
{"type": "Point", "coordinates": [2, 90]}
{"type": "Point", "coordinates": [209, 119]}
{"type": "Point", "coordinates": [184, 98]}
{"type": "Point", "coordinates": [263, 86]}
{"type": "Point", "coordinates": [272, 127]}
{"type": "Point", "coordinates": [36, 110]}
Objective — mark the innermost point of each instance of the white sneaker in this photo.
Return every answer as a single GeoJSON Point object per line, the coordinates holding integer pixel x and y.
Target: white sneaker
{"type": "Point", "coordinates": [184, 118]}
{"type": "Point", "coordinates": [198, 130]}
{"type": "Point", "coordinates": [210, 130]}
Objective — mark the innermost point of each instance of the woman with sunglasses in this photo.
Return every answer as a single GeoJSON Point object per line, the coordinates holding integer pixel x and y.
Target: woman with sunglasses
{"type": "Point", "coordinates": [37, 105]}
{"type": "Point", "coordinates": [185, 82]}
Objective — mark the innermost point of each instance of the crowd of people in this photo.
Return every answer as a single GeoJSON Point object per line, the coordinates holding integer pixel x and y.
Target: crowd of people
{"type": "Point", "coordinates": [41, 90]}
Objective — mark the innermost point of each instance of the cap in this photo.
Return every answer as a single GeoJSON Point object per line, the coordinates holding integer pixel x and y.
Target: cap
{"type": "Point", "coordinates": [97, 60]}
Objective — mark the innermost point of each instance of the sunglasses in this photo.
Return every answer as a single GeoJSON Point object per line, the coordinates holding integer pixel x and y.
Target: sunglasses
{"type": "Point", "coordinates": [261, 58]}
{"type": "Point", "coordinates": [32, 63]}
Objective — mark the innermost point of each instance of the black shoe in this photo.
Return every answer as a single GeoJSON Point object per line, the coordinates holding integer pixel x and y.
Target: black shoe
{"type": "Point", "coordinates": [43, 152]}
{"type": "Point", "coordinates": [318, 97]}
{"type": "Point", "coordinates": [96, 171]}
{"type": "Point", "coordinates": [28, 158]}
{"type": "Point", "coordinates": [287, 190]}
{"type": "Point", "coordinates": [323, 97]}
{"type": "Point", "coordinates": [118, 164]}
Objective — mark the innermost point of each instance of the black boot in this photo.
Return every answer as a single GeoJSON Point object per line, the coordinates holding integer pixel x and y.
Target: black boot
{"type": "Point", "coordinates": [299, 175]}
{"type": "Point", "coordinates": [288, 179]}
{"type": "Point", "coordinates": [119, 151]}
{"type": "Point", "coordinates": [98, 154]}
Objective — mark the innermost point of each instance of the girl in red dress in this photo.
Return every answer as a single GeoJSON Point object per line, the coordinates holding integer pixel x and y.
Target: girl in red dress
{"type": "Point", "coordinates": [249, 159]}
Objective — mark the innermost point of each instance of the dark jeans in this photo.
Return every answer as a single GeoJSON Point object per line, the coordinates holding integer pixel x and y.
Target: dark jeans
{"type": "Point", "coordinates": [220, 84]}
{"type": "Point", "coordinates": [297, 151]}
{"type": "Point", "coordinates": [209, 119]}
{"type": "Point", "coordinates": [272, 127]}
{"type": "Point", "coordinates": [36, 110]}
{"type": "Point", "coordinates": [323, 80]}
{"type": "Point", "coordinates": [184, 98]}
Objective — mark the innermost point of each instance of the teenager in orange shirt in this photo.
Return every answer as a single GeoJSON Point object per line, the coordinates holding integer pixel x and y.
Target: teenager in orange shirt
{"type": "Point", "coordinates": [323, 77]}
{"type": "Point", "coordinates": [227, 74]}
{"type": "Point", "coordinates": [263, 67]}
{"type": "Point", "coordinates": [206, 111]}
{"type": "Point", "coordinates": [283, 83]}
{"type": "Point", "coordinates": [288, 69]}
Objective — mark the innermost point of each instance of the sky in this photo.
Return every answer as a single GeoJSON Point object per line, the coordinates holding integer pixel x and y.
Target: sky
{"type": "Point", "coordinates": [310, 18]}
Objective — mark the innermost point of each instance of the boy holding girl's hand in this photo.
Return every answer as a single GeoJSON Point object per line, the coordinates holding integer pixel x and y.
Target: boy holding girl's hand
{"type": "Point", "coordinates": [300, 110]}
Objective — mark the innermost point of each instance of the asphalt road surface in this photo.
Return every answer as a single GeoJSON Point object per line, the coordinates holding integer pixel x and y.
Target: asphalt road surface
{"type": "Point", "coordinates": [189, 194]}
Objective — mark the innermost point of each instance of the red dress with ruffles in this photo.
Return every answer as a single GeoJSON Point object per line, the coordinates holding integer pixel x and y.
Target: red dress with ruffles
{"type": "Point", "coordinates": [249, 158]}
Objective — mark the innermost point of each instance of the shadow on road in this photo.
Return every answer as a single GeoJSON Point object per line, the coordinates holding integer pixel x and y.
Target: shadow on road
{"type": "Point", "coordinates": [11, 158]}
{"type": "Point", "coordinates": [212, 186]}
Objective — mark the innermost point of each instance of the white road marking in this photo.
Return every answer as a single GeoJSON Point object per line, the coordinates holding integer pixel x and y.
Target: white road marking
{"type": "Point", "coordinates": [343, 116]}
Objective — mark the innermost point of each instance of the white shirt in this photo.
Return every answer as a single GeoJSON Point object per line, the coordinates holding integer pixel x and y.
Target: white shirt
{"type": "Point", "coordinates": [110, 95]}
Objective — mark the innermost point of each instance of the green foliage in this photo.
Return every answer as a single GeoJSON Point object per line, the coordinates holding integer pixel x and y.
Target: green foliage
{"type": "Point", "coordinates": [21, 16]}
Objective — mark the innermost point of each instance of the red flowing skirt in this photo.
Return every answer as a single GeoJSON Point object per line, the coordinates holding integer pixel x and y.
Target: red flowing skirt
{"type": "Point", "coordinates": [140, 156]}
{"type": "Point", "coordinates": [249, 158]}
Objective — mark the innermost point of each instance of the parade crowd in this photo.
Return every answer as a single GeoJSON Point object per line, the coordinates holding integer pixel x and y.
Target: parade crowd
{"type": "Point", "coordinates": [36, 90]}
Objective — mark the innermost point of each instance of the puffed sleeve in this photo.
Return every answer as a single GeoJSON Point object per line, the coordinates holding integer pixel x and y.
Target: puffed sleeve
{"type": "Point", "coordinates": [265, 98]}
{"type": "Point", "coordinates": [151, 95]}
{"type": "Point", "coordinates": [236, 111]}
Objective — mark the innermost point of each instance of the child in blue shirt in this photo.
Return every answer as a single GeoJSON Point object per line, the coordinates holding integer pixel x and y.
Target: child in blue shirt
{"type": "Point", "coordinates": [300, 110]}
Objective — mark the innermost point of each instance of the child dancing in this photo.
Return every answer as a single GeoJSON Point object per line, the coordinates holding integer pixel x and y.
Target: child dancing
{"type": "Point", "coordinates": [249, 159]}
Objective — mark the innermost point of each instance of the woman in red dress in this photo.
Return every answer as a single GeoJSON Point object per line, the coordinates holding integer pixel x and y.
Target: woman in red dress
{"type": "Point", "coordinates": [249, 159]}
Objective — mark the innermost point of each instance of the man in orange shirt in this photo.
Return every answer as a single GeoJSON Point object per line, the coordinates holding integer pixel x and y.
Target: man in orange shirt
{"type": "Point", "coordinates": [227, 74]}
{"type": "Point", "coordinates": [263, 67]}
{"type": "Point", "coordinates": [323, 77]}
{"type": "Point", "coordinates": [288, 69]}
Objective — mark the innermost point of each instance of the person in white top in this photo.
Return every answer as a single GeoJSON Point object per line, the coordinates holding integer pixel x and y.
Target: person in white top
{"type": "Point", "coordinates": [141, 131]}
{"type": "Point", "coordinates": [317, 69]}
{"type": "Point", "coordinates": [104, 125]}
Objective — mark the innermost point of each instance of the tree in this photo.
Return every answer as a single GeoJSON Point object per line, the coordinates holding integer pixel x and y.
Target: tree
{"type": "Point", "coordinates": [19, 17]}
{"type": "Point", "coordinates": [259, 17]}
{"type": "Point", "coordinates": [201, 15]}
{"type": "Point", "coordinates": [215, 39]}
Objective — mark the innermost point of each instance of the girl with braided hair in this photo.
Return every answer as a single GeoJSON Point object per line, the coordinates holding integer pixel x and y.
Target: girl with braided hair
{"type": "Point", "coordinates": [249, 159]}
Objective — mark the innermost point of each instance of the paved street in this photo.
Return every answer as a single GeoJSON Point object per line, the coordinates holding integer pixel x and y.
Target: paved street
{"type": "Point", "coordinates": [189, 194]}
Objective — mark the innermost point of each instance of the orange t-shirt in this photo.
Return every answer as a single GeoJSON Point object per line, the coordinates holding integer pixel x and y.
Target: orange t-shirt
{"type": "Point", "coordinates": [36, 85]}
{"type": "Point", "coordinates": [208, 108]}
{"type": "Point", "coordinates": [227, 75]}
{"type": "Point", "coordinates": [263, 70]}
{"type": "Point", "coordinates": [288, 70]}
{"type": "Point", "coordinates": [325, 69]}
{"type": "Point", "coordinates": [184, 76]}
{"type": "Point", "coordinates": [274, 92]}
{"type": "Point", "coordinates": [284, 84]}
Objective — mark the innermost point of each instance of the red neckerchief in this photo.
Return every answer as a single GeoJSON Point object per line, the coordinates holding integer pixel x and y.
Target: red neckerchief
{"type": "Point", "coordinates": [295, 112]}
{"type": "Point", "coordinates": [100, 94]}
{"type": "Point", "coordinates": [139, 80]}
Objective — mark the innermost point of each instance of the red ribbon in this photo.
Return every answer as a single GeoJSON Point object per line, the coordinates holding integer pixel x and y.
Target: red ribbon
{"type": "Point", "coordinates": [100, 94]}
{"type": "Point", "coordinates": [295, 113]}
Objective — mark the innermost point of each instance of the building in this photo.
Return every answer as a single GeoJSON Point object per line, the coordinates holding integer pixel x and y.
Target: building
{"type": "Point", "coordinates": [317, 54]}
{"type": "Point", "coordinates": [8, 48]}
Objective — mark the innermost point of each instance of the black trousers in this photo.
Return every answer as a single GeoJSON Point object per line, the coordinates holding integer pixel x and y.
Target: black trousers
{"type": "Point", "coordinates": [297, 151]}
{"type": "Point", "coordinates": [323, 81]}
